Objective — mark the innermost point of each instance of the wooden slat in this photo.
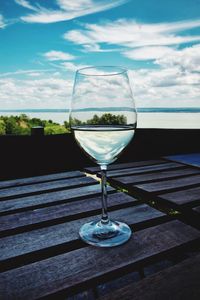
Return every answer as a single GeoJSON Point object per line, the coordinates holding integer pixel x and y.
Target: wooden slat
{"type": "Point", "coordinates": [177, 282]}
{"type": "Point", "coordinates": [126, 165]}
{"type": "Point", "coordinates": [49, 198]}
{"type": "Point", "coordinates": [144, 169]}
{"type": "Point", "coordinates": [132, 179]}
{"type": "Point", "coordinates": [83, 267]}
{"type": "Point", "coordinates": [166, 185]}
{"type": "Point", "coordinates": [62, 211]}
{"type": "Point", "coordinates": [46, 186]}
{"type": "Point", "coordinates": [37, 240]}
{"type": "Point", "coordinates": [182, 198]}
{"type": "Point", "coordinates": [37, 179]}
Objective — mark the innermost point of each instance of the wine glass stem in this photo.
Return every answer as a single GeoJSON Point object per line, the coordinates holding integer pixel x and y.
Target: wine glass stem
{"type": "Point", "coordinates": [104, 217]}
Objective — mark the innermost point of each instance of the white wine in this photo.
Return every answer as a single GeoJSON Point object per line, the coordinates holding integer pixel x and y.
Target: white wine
{"type": "Point", "coordinates": [103, 143]}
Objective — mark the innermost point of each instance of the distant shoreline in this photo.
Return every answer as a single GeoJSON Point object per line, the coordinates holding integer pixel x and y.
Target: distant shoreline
{"type": "Point", "coordinates": [140, 109]}
{"type": "Point", "coordinates": [148, 118]}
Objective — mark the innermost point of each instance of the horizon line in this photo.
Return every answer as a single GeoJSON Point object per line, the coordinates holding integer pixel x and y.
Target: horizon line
{"type": "Point", "coordinates": [139, 109]}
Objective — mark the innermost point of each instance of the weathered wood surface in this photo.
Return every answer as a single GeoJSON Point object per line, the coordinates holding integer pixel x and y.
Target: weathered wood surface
{"type": "Point", "coordinates": [46, 186]}
{"type": "Point", "coordinates": [186, 197]}
{"type": "Point", "coordinates": [176, 186]}
{"type": "Point", "coordinates": [143, 169]}
{"type": "Point", "coordinates": [67, 272]}
{"type": "Point", "coordinates": [175, 283]}
{"type": "Point", "coordinates": [49, 198]}
{"type": "Point", "coordinates": [67, 232]}
{"type": "Point", "coordinates": [59, 212]}
{"type": "Point", "coordinates": [41, 252]}
{"type": "Point", "coordinates": [133, 179]}
{"type": "Point", "coordinates": [134, 164]}
{"type": "Point", "coordinates": [171, 184]}
{"type": "Point", "coordinates": [37, 179]}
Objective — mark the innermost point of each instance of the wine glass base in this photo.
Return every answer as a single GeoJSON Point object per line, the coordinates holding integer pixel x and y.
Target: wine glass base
{"type": "Point", "coordinates": [111, 234]}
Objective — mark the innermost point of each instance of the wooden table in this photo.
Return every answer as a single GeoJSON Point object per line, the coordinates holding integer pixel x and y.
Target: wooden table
{"type": "Point", "coordinates": [42, 255]}
{"type": "Point", "coordinates": [166, 183]}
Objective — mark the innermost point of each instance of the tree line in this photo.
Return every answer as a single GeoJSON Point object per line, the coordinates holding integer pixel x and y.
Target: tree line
{"type": "Point", "coordinates": [105, 119]}
{"type": "Point", "coordinates": [22, 124]}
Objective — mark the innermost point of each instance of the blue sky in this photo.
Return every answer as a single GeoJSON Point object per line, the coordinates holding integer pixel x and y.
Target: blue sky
{"type": "Point", "coordinates": [44, 42]}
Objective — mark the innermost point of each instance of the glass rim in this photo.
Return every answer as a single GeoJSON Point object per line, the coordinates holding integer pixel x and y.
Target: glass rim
{"type": "Point", "coordinates": [83, 71]}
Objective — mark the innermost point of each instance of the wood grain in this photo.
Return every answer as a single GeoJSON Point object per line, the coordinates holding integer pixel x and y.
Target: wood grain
{"type": "Point", "coordinates": [166, 185]}
{"type": "Point", "coordinates": [144, 169]}
{"type": "Point", "coordinates": [186, 197]}
{"type": "Point", "coordinates": [126, 165]}
{"type": "Point", "coordinates": [81, 268]}
{"type": "Point", "coordinates": [37, 179]}
{"type": "Point", "coordinates": [161, 175]}
{"type": "Point", "coordinates": [51, 236]}
{"type": "Point", "coordinates": [46, 186]}
{"type": "Point", "coordinates": [60, 212]}
{"type": "Point", "coordinates": [49, 199]}
{"type": "Point", "coordinates": [178, 282]}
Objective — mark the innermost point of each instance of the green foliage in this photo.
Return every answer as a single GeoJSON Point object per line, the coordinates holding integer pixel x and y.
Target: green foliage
{"type": "Point", "coordinates": [108, 119]}
{"type": "Point", "coordinates": [12, 126]}
{"type": "Point", "coordinates": [55, 129]}
{"type": "Point", "coordinates": [105, 119]}
{"type": "Point", "coordinates": [76, 122]}
{"type": "Point", "coordinates": [21, 125]}
{"type": "Point", "coordinates": [36, 122]}
{"type": "Point", "coordinates": [67, 125]}
{"type": "Point", "coordinates": [2, 127]}
{"type": "Point", "coordinates": [95, 120]}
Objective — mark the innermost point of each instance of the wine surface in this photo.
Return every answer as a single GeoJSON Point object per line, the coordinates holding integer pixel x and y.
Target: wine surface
{"type": "Point", "coordinates": [103, 143]}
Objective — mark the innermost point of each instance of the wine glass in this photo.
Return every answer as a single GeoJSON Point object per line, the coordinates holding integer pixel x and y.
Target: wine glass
{"type": "Point", "coordinates": [103, 120]}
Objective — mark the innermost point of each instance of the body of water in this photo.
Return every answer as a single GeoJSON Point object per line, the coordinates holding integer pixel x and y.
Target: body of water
{"type": "Point", "coordinates": [177, 118]}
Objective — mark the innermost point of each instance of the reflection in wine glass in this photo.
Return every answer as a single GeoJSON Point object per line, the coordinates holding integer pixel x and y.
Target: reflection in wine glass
{"type": "Point", "coordinates": [103, 119]}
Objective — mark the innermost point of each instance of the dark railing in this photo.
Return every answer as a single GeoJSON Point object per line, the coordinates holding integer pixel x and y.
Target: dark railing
{"type": "Point", "coordinates": [41, 154]}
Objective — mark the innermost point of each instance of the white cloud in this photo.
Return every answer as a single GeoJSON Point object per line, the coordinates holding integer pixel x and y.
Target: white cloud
{"type": "Point", "coordinates": [149, 52]}
{"type": "Point", "coordinates": [168, 87]}
{"type": "Point", "coordinates": [69, 66]}
{"type": "Point", "coordinates": [58, 55]}
{"type": "Point", "coordinates": [25, 72]}
{"type": "Point", "coordinates": [26, 4]}
{"type": "Point", "coordinates": [38, 93]}
{"type": "Point", "coordinates": [130, 34]}
{"type": "Point", "coordinates": [2, 22]}
{"type": "Point", "coordinates": [187, 59]}
{"type": "Point", "coordinates": [34, 74]}
{"type": "Point", "coordinates": [81, 38]}
{"type": "Point", "coordinates": [175, 81]}
{"type": "Point", "coordinates": [74, 5]}
{"type": "Point", "coordinates": [67, 10]}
